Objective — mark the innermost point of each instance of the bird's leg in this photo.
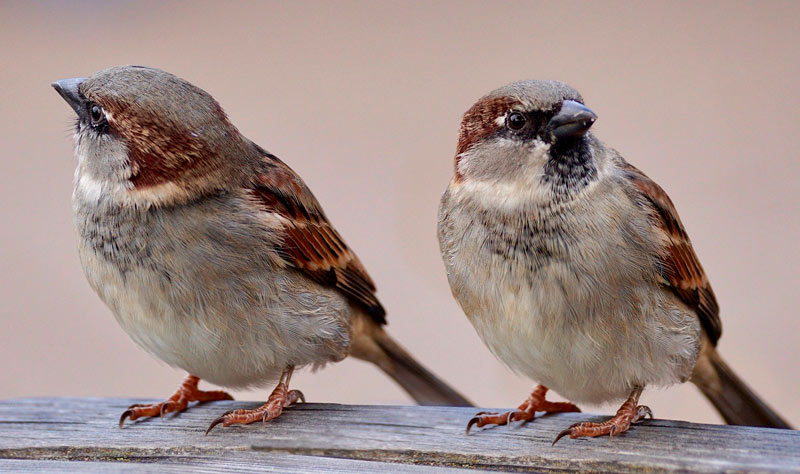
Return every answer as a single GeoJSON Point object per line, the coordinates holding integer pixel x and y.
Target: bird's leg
{"type": "Point", "coordinates": [525, 412]}
{"type": "Point", "coordinates": [630, 412]}
{"type": "Point", "coordinates": [280, 398]}
{"type": "Point", "coordinates": [186, 393]}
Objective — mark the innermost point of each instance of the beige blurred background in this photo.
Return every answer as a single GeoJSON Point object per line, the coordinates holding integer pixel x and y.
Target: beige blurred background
{"type": "Point", "coordinates": [364, 101]}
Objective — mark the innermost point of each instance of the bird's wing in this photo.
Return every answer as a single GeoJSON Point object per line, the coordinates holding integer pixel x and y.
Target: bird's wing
{"type": "Point", "coordinates": [681, 270]}
{"type": "Point", "coordinates": [310, 243]}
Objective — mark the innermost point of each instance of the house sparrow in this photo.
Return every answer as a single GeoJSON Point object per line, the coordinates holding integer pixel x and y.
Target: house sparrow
{"type": "Point", "coordinates": [212, 253]}
{"type": "Point", "coordinates": [574, 267]}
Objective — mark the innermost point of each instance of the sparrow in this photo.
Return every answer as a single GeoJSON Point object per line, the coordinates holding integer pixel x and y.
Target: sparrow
{"type": "Point", "coordinates": [574, 267]}
{"type": "Point", "coordinates": [212, 254]}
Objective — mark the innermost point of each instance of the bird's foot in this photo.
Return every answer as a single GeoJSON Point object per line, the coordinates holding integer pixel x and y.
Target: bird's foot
{"type": "Point", "coordinates": [525, 412]}
{"type": "Point", "coordinates": [280, 398]}
{"type": "Point", "coordinates": [629, 413]}
{"type": "Point", "coordinates": [178, 402]}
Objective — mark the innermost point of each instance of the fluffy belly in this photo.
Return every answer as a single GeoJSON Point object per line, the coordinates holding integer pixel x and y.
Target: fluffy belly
{"type": "Point", "coordinates": [588, 347]}
{"type": "Point", "coordinates": [226, 337]}
{"type": "Point", "coordinates": [189, 344]}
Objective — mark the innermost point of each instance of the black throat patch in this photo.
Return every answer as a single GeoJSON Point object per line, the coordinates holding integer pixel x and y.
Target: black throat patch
{"type": "Point", "coordinates": [571, 166]}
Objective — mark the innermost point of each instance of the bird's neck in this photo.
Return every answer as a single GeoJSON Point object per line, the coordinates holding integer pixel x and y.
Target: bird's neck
{"type": "Point", "coordinates": [572, 167]}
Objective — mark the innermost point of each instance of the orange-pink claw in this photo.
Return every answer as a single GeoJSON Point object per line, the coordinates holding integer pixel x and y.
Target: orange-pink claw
{"type": "Point", "coordinates": [279, 399]}
{"type": "Point", "coordinates": [628, 414]}
{"type": "Point", "coordinates": [536, 402]}
{"type": "Point", "coordinates": [178, 402]}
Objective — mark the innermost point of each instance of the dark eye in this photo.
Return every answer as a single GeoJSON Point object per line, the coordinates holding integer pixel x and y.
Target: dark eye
{"type": "Point", "coordinates": [96, 114]}
{"type": "Point", "coordinates": [516, 120]}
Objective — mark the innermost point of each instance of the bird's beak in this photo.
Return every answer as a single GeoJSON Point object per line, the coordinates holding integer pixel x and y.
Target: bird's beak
{"type": "Point", "coordinates": [573, 120]}
{"type": "Point", "coordinates": [68, 88]}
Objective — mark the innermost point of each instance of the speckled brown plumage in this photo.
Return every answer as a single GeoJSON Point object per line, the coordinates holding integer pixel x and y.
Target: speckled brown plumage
{"type": "Point", "coordinates": [310, 243]}
{"type": "Point", "coordinates": [682, 272]}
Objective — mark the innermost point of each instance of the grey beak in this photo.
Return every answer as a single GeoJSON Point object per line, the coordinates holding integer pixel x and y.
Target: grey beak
{"type": "Point", "coordinates": [573, 120]}
{"type": "Point", "coordinates": [68, 88]}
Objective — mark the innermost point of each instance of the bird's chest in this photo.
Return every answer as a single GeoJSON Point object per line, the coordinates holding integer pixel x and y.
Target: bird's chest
{"type": "Point", "coordinates": [545, 289]}
{"type": "Point", "coordinates": [130, 277]}
{"type": "Point", "coordinates": [154, 269]}
{"type": "Point", "coordinates": [520, 281]}
{"type": "Point", "coordinates": [204, 296]}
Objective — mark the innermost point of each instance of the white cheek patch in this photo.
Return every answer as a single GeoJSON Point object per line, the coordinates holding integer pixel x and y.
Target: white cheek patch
{"type": "Point", "coordinates": [498, 195]}
{"type": "Point", "coordinates": [116, 188]}
{"type": "Point", "coordinates": [90, 188]}
{"type": "Point", "coordinates": [523, 190]}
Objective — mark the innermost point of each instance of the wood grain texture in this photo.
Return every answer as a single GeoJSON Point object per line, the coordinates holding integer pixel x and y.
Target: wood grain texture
{"type": "Point", "coordinates": [81, 435]}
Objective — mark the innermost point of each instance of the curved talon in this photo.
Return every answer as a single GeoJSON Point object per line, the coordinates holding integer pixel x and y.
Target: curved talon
{"type": "Point", "coordinates": [536, 402]}
{"type": "Point", "coordinates": [564, 433]}
{"type": "Point", "coordinates": [179, 401]}
{"type": "Point", "coordinates": [299, 395]}
{"type": "Point", "coordinates": [125, 414]}
{"type": "Point", "coordinates": [163, 408]}
{"type": "Point", "coordinates": [642, 413]}
{"type": "Point", "coordinates": [267, 417]}
{"type": "Point", "coordinates": [280, 398]}
{"type": "Point", "coordinates": [474, 420]}
{"type": "Point", "coordinates": [214, 423]}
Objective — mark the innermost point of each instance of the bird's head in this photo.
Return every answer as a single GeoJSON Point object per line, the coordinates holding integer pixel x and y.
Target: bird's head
{"type": "Point", "coordinates": [151, 133]}
{"type": "Point", "coordinates": [525, 133]}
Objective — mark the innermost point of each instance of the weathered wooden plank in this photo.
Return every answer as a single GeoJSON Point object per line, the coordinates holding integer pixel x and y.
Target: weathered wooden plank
{"type": "Point", "coordinates": [240, 462]}
{"type": "Point", "coordinates": [323, 436]}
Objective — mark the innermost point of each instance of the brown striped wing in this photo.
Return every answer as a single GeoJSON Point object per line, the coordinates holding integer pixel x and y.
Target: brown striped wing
{"type": "Point", "coordinates": [681, 270]}
{"type": "Point", "coordinates": [311, 244]}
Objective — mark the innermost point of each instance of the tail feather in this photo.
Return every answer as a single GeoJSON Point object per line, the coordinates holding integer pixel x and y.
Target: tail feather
{"type": "Point", "coordinates": [371, 343]}
{"type": "Point", "coordinates": [419, 382]}
{"type": "Point", "coordinates": [732, 398]}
